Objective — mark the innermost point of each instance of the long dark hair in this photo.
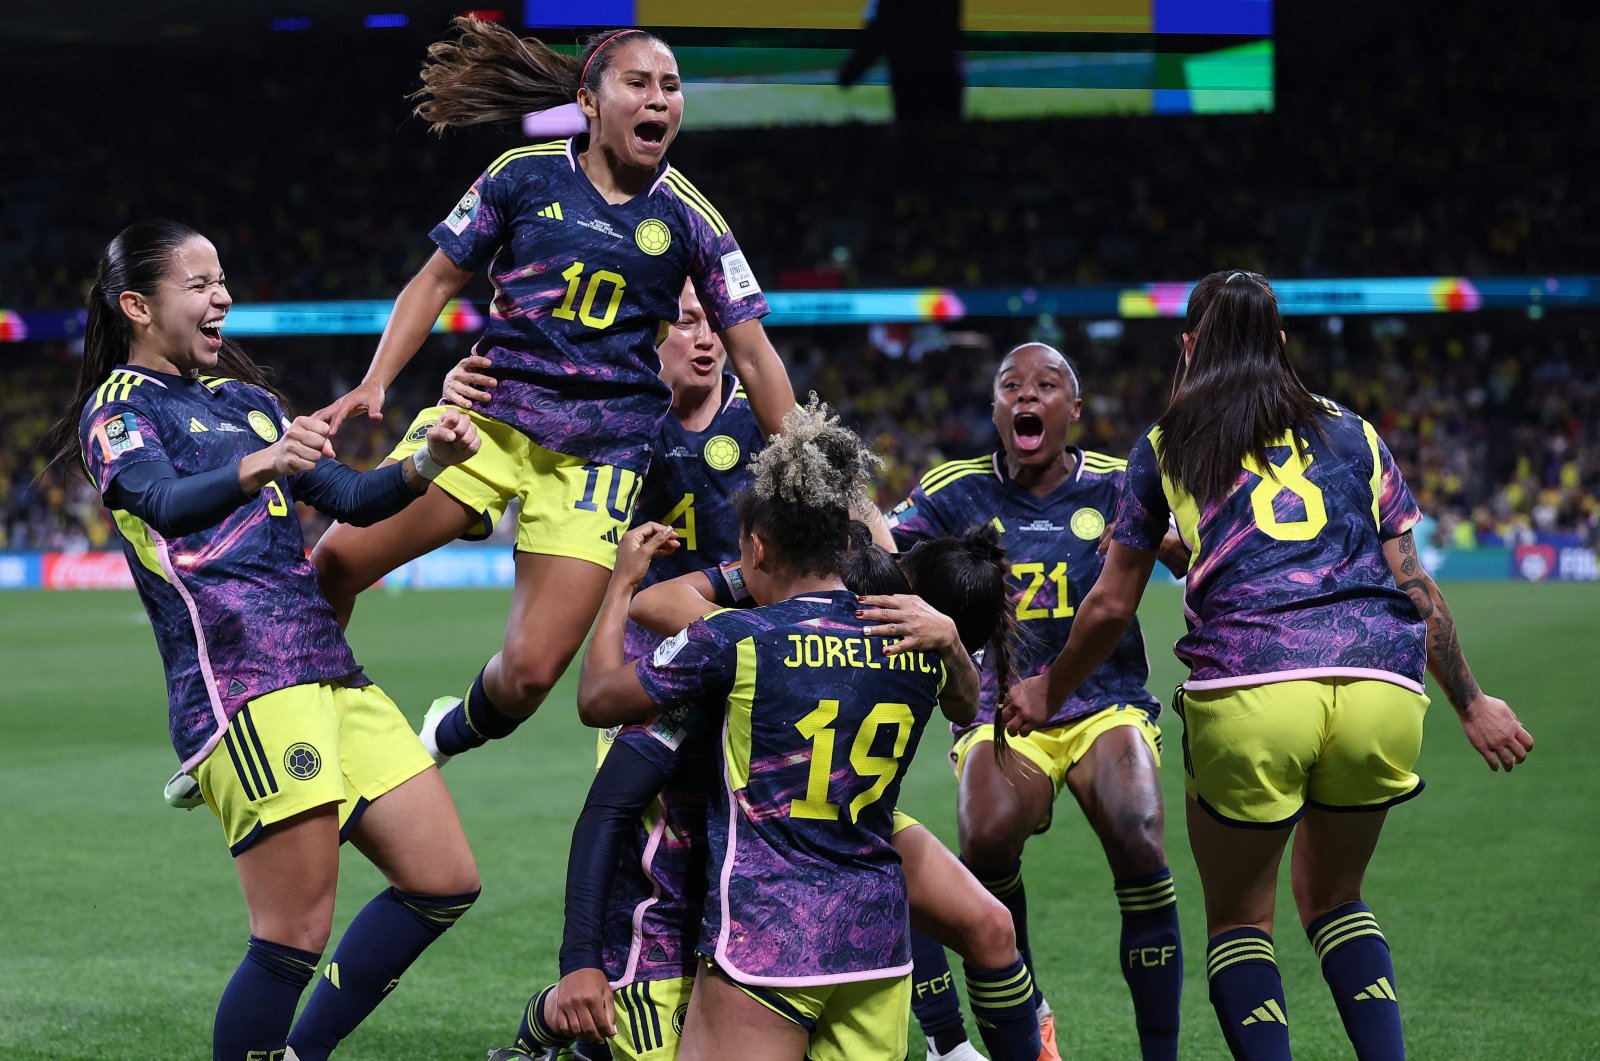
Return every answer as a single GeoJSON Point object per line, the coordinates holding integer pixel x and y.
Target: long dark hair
{"type": "Point", "coordinates": [489, 74]}
{"type": "Point", "coordinates": [136, 260]}
{"type": "Point", "coordinates": [870, 570]}
{"type": "Point", "coordinates": [965, 578]}
{"type": "Point", "coordinates": [803, 487]}
{"type": "Point", "coordinates": [1236, 393]}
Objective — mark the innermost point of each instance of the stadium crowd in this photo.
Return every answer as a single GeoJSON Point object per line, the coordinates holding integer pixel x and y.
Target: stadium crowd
{"type": "Point", "coordinates": [1493, 418]}
{"type": "Point", "coordinates": [1495, 422]}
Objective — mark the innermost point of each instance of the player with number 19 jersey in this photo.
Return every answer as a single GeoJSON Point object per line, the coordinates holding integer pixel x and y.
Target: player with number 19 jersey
{"type": "Point", "coordinates": [1287, 578]}
{"type": "Point", "coordinates": [1052, 544]}
{"type": "Point", "coordinates": [581, 287]}
{"type": "Point", "coordinates": [817, 728]}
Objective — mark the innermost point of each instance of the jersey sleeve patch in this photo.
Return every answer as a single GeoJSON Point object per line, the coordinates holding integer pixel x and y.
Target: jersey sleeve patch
{"type": "Point", "coordinates": [118, 434]}
{"type": "Point", "coordinates": [741, 279]}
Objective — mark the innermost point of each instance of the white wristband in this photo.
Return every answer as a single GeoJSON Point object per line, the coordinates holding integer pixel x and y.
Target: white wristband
{"type": "Point", "coordinates": [426, 466]}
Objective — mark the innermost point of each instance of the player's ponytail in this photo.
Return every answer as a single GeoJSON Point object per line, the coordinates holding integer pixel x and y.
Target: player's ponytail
{"type": "Point", "coordinates": [1235, 392]}
{"type": "Point", "coordinates": [804, 485]}
{"type": "Point", "coordinates": [489, 74]}
{"type": "Point", "coordinates": [965, 578]}
{"type": "Point", "coordinates": [136, 260]}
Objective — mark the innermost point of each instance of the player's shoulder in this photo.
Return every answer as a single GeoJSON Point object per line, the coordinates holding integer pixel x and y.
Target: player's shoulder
{"type": "Point", "coordinates": [680, 188]}
{"type": "Point", "coordinates": [1097, 465]}
{"type": "Point", "coordinates": [123, 390]}
{"type": "Point", "coordinates": [528, 159]}
{"type": "Point", "coordinates": [959, 477]}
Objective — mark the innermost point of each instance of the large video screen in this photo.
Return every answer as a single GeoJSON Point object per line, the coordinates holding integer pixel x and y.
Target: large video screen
{"type": "Point", "coordinates": [778, 64]}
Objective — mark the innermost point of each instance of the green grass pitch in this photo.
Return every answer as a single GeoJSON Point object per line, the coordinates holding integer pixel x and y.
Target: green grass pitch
{"type": "Point", "coordinates": [122, 918]}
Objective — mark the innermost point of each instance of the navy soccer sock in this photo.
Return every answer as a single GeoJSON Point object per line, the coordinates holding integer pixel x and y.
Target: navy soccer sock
{"type": "Point", "coordinates": [381, 943]}
{"type": "Point", "coordinates": [1005, 884]}
{"type": "Point", "coordinates": [933, 994]}
{"type": "Point", "coordinates": [1360, 973]}
{"type": "Point", "coordinates": [1247, 993]}
{"type": "Point", "coordinates": [1152, 960]}
{"type": "Point", "coordinates": [534, 1036]}
{"type": "Point", "coordinates": [1002, 1004]}
{"type": "Point", "coordinates": [474, 722]}
{"type": "Point", "coordinates": [258, 1004]}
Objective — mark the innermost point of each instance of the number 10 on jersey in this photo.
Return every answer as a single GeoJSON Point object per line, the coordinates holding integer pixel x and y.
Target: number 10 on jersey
{"type": "Point", "coordinates": [584, 292]}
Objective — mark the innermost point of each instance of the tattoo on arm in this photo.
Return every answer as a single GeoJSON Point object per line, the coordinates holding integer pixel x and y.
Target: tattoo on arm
{"type": "Point", "coordinates": [961, 679]}
{"type": "Point", "coordinates": [1445, 659]}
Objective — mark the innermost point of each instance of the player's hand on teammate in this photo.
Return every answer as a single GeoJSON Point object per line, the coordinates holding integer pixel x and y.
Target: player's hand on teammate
{"type": "Point", "coordinates": [466, 385]}
{"type": "Point", "coordinates": [452, 438]}
{"type": "Point", "coordinates": [1026, 708]}
{"type": "Point", "coordinates": [302, 444]}
{"type": "Point", "coordinates": [582, 1006]}
{"type": "Point", "coordinates": [913, 621]}
{"type": "Point", "coordinates": [1493, 729]}
{"type": "Point", "coordinates": [367, 396]}
{"type": "Point", "coordinates": [640, 546]}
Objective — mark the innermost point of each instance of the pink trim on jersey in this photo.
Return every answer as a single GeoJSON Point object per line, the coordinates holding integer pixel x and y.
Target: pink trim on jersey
{"type": "Point", "coordinates": [200, 647]}
{"type": "Point", "coordinates": [572, 160]}
{"type": "Point", "coordinates": [721, 956]}
{"type": "Point", "coordinates": [1304, 674]}
{"type": "Point", "coordinates": [636, 946]}
{"type": "Point", "coordinates": [657, 184]}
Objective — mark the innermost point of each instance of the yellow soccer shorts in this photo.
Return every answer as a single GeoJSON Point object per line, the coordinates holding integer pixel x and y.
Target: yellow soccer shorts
{"type": "Point", "coordinates": [1255, 755]}
{"type": "Point", "coordinates": [650, 1015]}
{"type": "Point", "coordinates": [1054, 752]}
{"type": "Point", "coordinates": [567, 506]}
{"type": "Point", "coordinates": [303, 747]}
{"type": "Point", "coordinates": [866, 1020]}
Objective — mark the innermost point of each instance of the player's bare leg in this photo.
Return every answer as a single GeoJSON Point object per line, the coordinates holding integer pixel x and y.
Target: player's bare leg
{"type": "Point", "coordinates": [1239, 874]}
{"type": "Point", "coordinates": [412, 834]}
{"type": "Point", "coordinates": [721, 1014]}
{"type": "Point", "coordinates": [1118, 786]}
{"type": "Point", "coordinates": [1331, 853]}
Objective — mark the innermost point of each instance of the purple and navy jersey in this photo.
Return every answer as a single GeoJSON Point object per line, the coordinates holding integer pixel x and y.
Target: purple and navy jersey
{"type": "Point", "coordinates": [693, 478]}
{"type": "Point", "coordinates": [1288, 579]}
{"type": "Point", "coordinates": [656, 905]}
{"type": "Point", "coordinates": [1051, 545]}
{"type": "Point", "coordinates": [817, 727]}
{"type": "Point", "coordinates": [581, 287]}
{"type": "Point", "coordinates": [235, 607]}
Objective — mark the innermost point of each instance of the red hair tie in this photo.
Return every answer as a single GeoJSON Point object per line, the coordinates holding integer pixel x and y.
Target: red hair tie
{"type": "Point", "coordinates": [598, 49]}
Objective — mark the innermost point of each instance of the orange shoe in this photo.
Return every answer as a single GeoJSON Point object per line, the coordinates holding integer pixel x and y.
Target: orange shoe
{"type": "Point", "coordinates": [1047, 1034]}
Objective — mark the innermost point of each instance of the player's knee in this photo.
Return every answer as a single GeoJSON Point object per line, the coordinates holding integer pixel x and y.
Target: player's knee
{"type": "Point", "coordinates": [527, 681]}
{"type": "Point", "coordinates": [1314, 896]}
{"type": "Point", "coordinates": [991, 845]}
{"type": "Point", "coordinates": [988, 938]}
{"type": "Point", "coordinates": [307, 931]}
{"type": "Point", "coordinates": [1136, 841]}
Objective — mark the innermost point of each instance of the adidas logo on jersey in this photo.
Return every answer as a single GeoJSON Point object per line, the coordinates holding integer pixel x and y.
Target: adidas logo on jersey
{"type": "Point", "coordinates": [614, 535]}
{"type": "Point", "coordinates": [195, 426]}
{"type": "Point", "coordinates": [1269, 1012]}
{"type": "Point", "coordinates": [658, 953]}
{"type": "Point", "coordinates": [1383, 989]}
{"type": "Point", "coordinates": [553, 212]}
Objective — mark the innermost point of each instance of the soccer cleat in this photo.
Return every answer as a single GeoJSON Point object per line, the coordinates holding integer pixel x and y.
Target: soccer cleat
{"type": "Point", "coordinates": [965, 1052]}
{"type": "Point", "coordinates": [511, 1053]}
{"type": "Point", "coordinates": [182, 792]}
{"type": "Point", "coordinates": [430, 726]}
{"type": "Point", "coordinates": [1047, 1033]}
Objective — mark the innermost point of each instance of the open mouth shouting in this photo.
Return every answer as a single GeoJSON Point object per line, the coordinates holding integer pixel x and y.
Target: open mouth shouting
{"type": "Point", "coordinates": [212, 330]}
{"type": "Point", "coordinates": [651, 135]}
{"type": "Point", "coordinates": [1028, 430]}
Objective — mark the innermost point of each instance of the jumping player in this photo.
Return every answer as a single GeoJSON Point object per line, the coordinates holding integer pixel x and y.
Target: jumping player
{"type": "Point", "coordinates": [1050, 502]}
{"type": "Point", "coordinates": [292, 747]}
{"type": "Point", "coordinates": [1310, 623]}
{"type": "Point", "coordinates": [588, 242]}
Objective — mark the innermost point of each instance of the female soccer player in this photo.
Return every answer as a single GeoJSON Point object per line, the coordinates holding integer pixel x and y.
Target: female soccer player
{"type": "Point", "coordinates": [1310, 621]}
{"type": "Point", "coordinates": [823, 976]}
{"type": "Point", "coordinates": [1050, 502]}
{"type": "Point", "coordinates": [588, 242]}
{"type": "Point", "coordinates": [623, 930]}
{"type": "Point", "coordinates": [292, 746]}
